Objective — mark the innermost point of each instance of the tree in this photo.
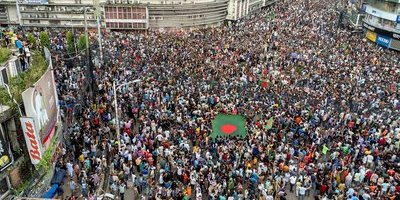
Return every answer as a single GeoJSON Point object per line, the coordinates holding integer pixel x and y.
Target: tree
{"type": "Point", "coordinates": [70, 42]}
{"type": "Point", "coordinates": [82, 42]}
{"type": "Point", "coordinates": [44, 39]}
{"type": "Point", "coordinates": [32, 40]}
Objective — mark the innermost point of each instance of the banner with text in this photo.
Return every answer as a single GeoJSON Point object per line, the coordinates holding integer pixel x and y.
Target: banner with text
{"type": "Point", "coordinates": [41, 104]}
{"type": "Point", "coordinates": [32, 139]}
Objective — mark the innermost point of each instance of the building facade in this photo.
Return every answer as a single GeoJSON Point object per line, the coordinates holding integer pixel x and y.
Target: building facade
{"type": "Point", "coordinates": [49, 13]}
{"type": "Point", "coordinates": [382, 23]}
{"type": "Point", "coordinates": [238, 9]}
{"type": "Point", "coordinates": [126, 14]}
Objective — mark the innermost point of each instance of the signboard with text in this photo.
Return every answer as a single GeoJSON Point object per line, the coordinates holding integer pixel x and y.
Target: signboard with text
{"type": "Point", "coordinates": [40, 103]}
{"type": "Point", "coordinates": [32, 139]}
{"type": "Point", "coordinates": [383, 41]}
{"type": "Point", "coordinates": [381, 31]}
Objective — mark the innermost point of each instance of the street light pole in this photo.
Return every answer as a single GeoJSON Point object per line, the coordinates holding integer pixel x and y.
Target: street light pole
{"type": "Point", "coordinates": [115, 88]}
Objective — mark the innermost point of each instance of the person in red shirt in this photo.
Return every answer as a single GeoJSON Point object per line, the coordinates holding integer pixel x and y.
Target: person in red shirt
{"type": "Point", "coordinates": [323, 188]}
{"type": "Point", "coordinates": [368, 175]}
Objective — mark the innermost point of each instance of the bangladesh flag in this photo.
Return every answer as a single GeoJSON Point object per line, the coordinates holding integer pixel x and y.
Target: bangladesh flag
{"type": "Point", "coordinates": [270, 122]}
{"type": "Point", "coordinates": [228, 125]}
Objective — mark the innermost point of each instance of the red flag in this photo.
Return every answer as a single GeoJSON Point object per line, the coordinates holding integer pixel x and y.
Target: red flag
{"type": "Point", "coordinates": [264, 84]}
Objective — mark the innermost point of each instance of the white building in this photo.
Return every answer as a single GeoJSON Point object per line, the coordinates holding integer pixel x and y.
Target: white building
{"type": "Point", "coordinates": [382, 23]}
{"type": "Point", "coordinates": [126, 14]}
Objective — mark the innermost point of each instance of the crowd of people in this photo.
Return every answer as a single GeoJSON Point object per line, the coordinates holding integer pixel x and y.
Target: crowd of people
{"type": "Point", "coordinates": [23, 48]}
{"type": "Point", "coordinates": [332, 95]}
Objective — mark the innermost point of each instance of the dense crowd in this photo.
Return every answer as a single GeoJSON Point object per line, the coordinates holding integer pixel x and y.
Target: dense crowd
{"type": "Point", "coordinates": [334, 98]}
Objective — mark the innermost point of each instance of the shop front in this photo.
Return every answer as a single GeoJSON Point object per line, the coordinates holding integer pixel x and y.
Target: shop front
{"type": "Point", "coordinates": [383, 38]}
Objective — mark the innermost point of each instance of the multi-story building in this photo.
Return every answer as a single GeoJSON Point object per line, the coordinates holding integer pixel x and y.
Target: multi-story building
{"type": "Point", "coordinates": [238, 9]}
{"type": "Point", "coordinates": [382, 23]}
{"type": "Point", "coordinates": [49, 13]}
{"type": "Point", "coordinates": [8, 12]}
{"type": "Point", "coordinates": [126, 14]}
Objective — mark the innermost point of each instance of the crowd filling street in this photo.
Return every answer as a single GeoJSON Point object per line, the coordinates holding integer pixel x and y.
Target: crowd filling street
{"type": "Point", "coordinates": [333, 97]}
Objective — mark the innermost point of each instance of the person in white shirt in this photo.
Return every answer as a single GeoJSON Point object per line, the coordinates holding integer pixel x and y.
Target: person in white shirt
{"type": "Point", "coordinates": [302, 192]}
{"type": "Point", "coordinates": [292, 181]}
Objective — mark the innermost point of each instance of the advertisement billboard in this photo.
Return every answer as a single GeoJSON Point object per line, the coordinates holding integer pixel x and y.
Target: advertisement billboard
{"type": "Point", "coordinates": [371, 36]}
{"type": "Point", "coordinates": [383, 40]}
{"type": "Point", "coordinates": [40, 103]}
{"type": "Point", "coordinates": [32, 139]}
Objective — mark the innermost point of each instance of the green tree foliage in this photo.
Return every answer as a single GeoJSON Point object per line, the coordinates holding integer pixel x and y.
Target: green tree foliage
{"type": "Point", "coordinates": [19, 83]}
{"type": "Point", "coordinates": [82, 42]}
{"type": "Point", "coordinates": [70, 42]}
{"type": "Point", "coordinates": [32, 40]}
{"type": "Point", "coordinates": [4, 54]}
{"type": "Point", "coordinates": [44, 39]}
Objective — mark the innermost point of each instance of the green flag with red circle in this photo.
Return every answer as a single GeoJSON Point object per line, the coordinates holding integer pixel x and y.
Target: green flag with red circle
{"type": "Point", "coordinates": [228, 126]}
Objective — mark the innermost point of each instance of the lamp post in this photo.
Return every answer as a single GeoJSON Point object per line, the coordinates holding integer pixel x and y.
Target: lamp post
{"type": "Point", "coordinates": [115, 88]}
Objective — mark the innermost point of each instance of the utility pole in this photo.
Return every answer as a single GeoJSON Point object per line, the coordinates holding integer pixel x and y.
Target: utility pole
{"type": "Point", "coordinates": [86, 35]}
{"type": "Point", "coordinates": [97, 14]}
{"type": "Point", "coordinates": [88, 59]}
{"type": "Point", "coordinates": [18, 12]}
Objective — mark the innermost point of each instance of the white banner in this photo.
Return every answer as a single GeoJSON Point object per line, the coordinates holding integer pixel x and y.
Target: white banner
{"type": "Point", "coordinates": [380, 13]}
{"type": "Point", "coordinates": [31, 139]}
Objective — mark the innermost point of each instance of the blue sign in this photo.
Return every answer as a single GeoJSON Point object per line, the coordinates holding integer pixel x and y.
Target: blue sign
{"type": "Point", "coordinates": [383, 40]}
{"type": "Point", "coordinates": [398, 19]}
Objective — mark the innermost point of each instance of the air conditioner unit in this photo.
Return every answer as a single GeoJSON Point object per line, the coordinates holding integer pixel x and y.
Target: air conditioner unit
{"type": "Point", "coordinates": [12, 67]}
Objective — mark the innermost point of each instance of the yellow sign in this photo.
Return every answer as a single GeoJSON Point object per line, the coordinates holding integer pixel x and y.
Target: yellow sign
{"type": "Point", "coordinates": [371, 36]}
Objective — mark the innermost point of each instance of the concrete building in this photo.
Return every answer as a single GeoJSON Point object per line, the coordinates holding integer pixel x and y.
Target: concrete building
{"type": "Point", "coordinates": [126, 14]}
{"type": "Point", "coordinates": [382, 23]}
{"type": "Point", "coordinates": [238, 9]}
{"type": "Point", "coordinates": [8, 12]}
{"type": "Point", "coordinates": [45, 13]}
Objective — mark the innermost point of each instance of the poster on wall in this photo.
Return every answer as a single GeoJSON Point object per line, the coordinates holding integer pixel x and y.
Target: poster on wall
{"type": "Point", "coordinates": [32, 139]}
{"type": "Point", "coordinates": [41, 105]}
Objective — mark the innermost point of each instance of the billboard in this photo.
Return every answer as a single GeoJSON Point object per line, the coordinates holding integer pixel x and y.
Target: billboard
{"type": "Point", "coordinates": [32, 139]}
{"type": "Point", "coordinates": [40, 101]}
{"type": "Point", "coordinates": [371, 35]}
{"type": "Point", "coordinates": [383, 41]}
